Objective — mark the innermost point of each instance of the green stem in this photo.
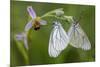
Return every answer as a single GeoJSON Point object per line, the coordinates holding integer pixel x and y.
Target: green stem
{"type": "Point", "coordinates": [52, 16]}
{"type": "Point", "coordinates": [63, 17]}
{"type": "Point", "coordinates": [68, 18]}
{"type": "Point", "coordinates": [51, 12]}
{"type": "Point", "coordinates": [23, 51]}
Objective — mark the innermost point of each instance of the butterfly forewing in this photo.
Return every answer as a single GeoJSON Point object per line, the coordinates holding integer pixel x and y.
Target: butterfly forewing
{"type": "Point", "coordinates": [78, 38]}
{"type": "Point", "coordinates": [73, 36]}
{"type": "Point", "coordinates": [60, 38]}
{"type": "Point", "coordinates": [64, 38]}
{"type": "Point", "coordinates": [52, 51]}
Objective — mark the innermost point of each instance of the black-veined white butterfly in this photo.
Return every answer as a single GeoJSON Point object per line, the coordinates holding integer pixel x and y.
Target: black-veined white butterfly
{"type": "Point", "coordinates": [58, 40]}
{"type": "Point", "coordinates": [78, 37]}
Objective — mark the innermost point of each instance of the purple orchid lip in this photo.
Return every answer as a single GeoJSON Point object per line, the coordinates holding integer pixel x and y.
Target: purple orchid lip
{"type": "Point", "coordinates": [31, 12]}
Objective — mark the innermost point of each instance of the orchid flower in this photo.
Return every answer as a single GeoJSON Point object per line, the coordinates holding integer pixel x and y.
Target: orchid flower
{"type": "Point", "coordinates": [22, 37]}
{"type": "Point", "coordinates": [35, 22]}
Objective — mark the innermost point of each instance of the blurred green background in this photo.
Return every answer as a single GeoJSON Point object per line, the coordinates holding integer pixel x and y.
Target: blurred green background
{"type": "Point", "coordinates": [38, 42]}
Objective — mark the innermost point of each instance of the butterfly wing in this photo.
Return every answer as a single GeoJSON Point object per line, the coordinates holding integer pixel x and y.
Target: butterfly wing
{"type": "Point", "coordinates": [60, 38]}
{"type": "Point", "coordinates": [86, 45]}
{"type": "Point", "coordinates": [52, 51]}
{"type": "Point", "coordinates": [78, 38]}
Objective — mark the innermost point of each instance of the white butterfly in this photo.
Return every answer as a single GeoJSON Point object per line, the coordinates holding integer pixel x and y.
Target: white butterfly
{"type": "Point", "coordinates": [77, 37]}
{"type": "Point", "coordinates": [58, 40]}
